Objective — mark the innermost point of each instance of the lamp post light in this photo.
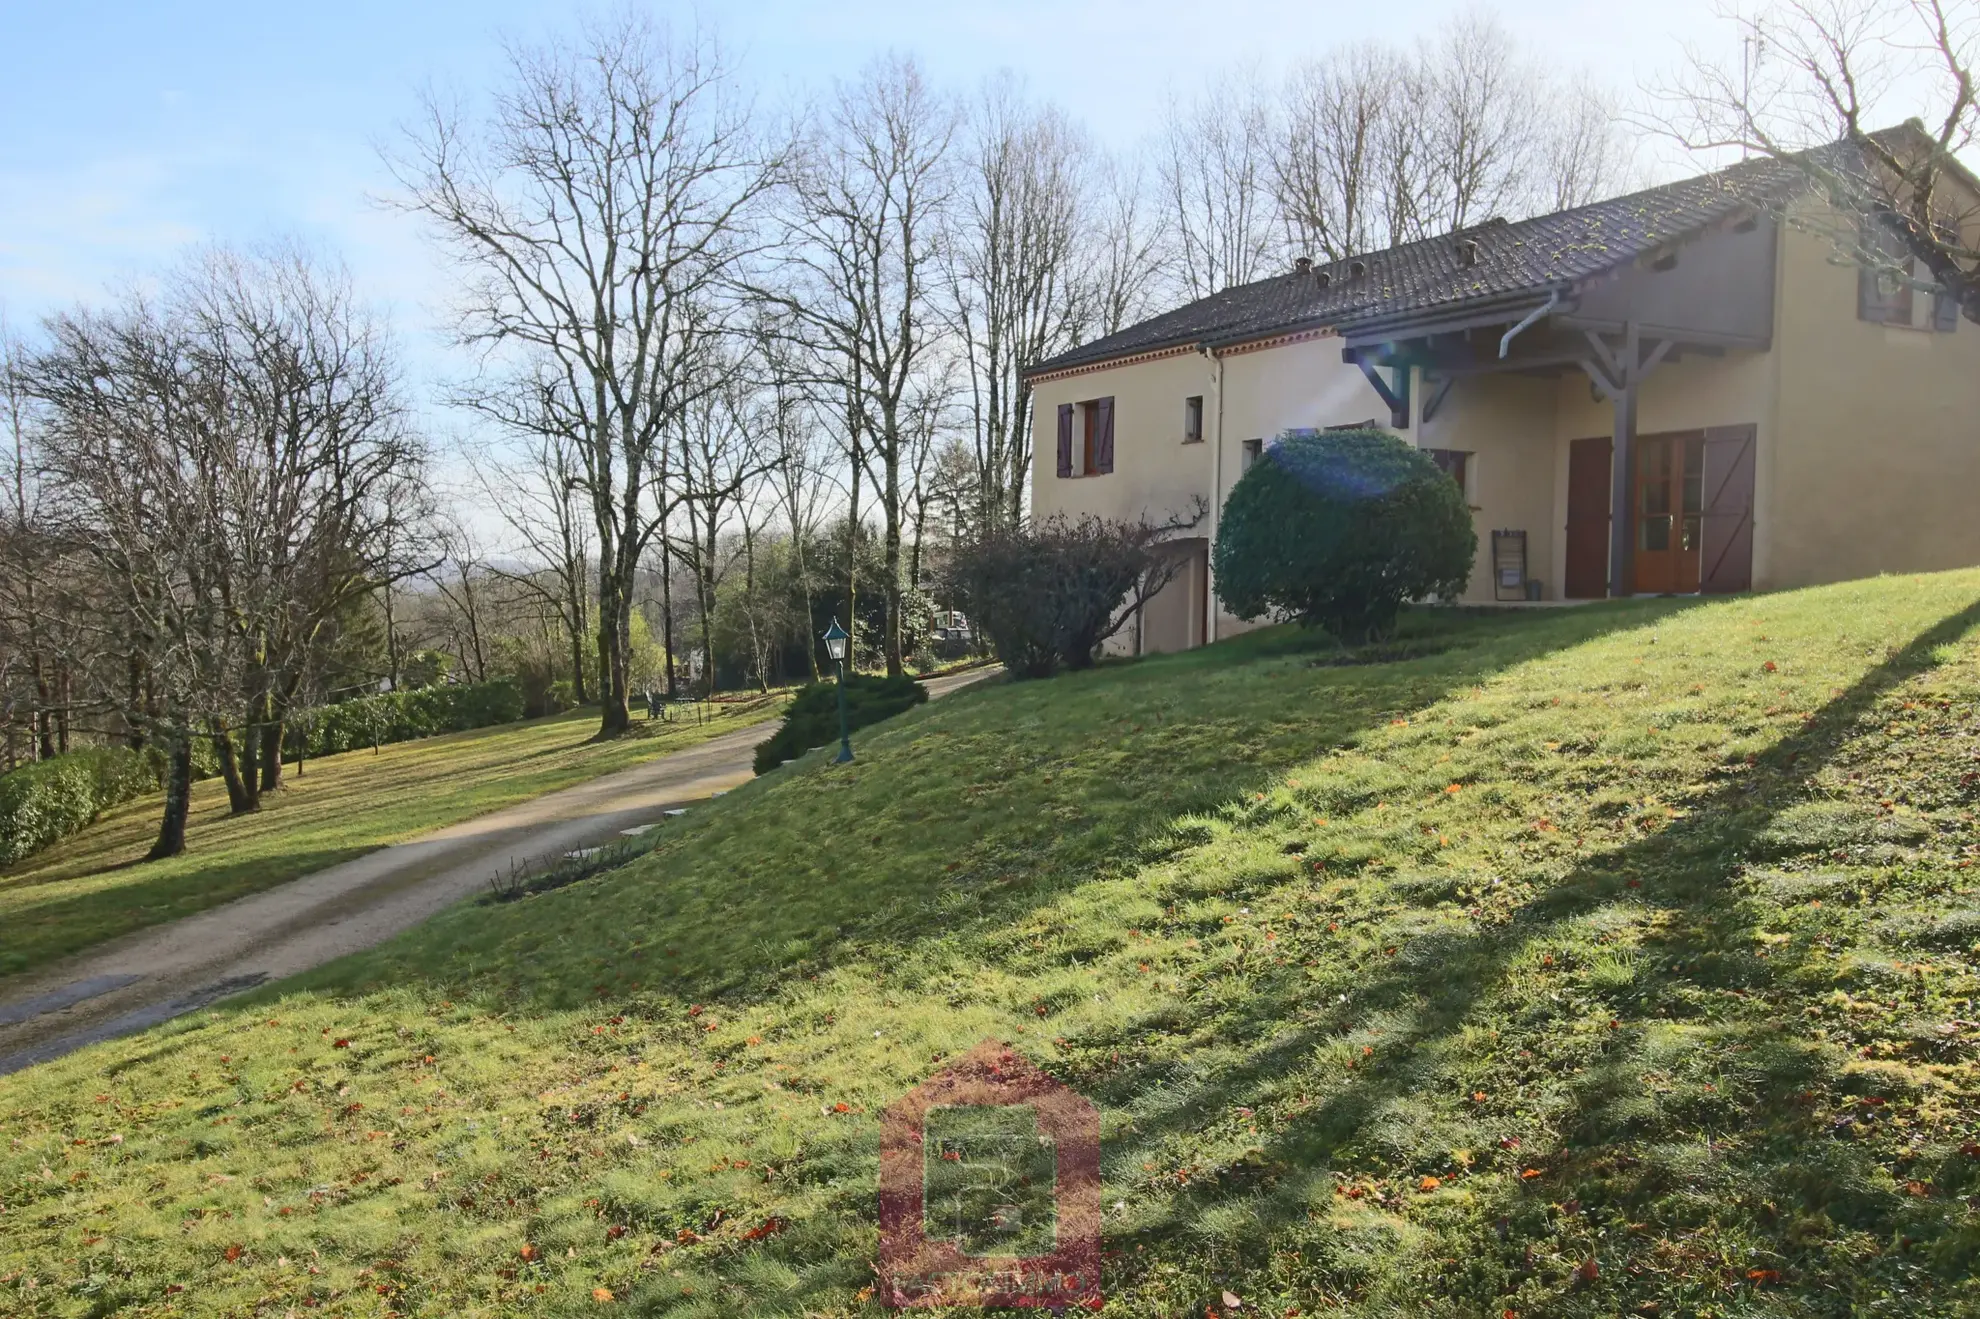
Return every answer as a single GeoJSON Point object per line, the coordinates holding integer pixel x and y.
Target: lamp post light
{"type": "Point", "coordinates": [837, 643]}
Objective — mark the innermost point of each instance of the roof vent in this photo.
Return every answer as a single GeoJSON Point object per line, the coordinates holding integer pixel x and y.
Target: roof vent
{"type": "Point", "coordinates": [1467, 252]}
{"type": "Point", "coordinates": [1323, 279]}
{"type": "Point", "coordinates": [1302, 264]}
{"type": "Point", "coordinates": [1356, 269]}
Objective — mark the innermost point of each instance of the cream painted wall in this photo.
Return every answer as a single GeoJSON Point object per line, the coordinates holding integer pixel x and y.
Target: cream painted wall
{"type": "Point", "coordinates": [1506, 424]}
{"type": "Point", "coordinates": [1155, 474]}
{"type": "Point", "coordinates": [1877, 463]}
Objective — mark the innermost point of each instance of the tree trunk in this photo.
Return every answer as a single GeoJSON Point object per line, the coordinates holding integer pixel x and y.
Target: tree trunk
{"type": "Point", "coordinates": [667, 613]}
{"type": "Point", "coordinates": [614, 716]}
{"type": "Point", "coordinates": [890, 507]}
{"type": "Point", "coordinates": [64, 690]}
{"type": "Point", "coordinates": [241, 796]}
{"type": "Point", "coordinates": [391, 638]}
{"type": "Point", "coordinates": [250, 751]}
{"type": "Point", "coordinates": [271, 755]}
{"type": "Point", "coordinates": [178, 800]}
{"type": "Point", "coordinates": [44, 726]}
{"type": "Point", "coordinates": [133, 695]}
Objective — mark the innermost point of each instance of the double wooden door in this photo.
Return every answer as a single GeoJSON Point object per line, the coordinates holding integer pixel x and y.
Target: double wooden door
{"type": "Point", "coordinates": [1691, 513]}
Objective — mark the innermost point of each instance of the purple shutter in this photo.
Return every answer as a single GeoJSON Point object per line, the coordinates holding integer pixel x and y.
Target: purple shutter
{"type": "Point", "coordinates": [1726, 549]}
{"type": "Point", "coordinates": [1103, 443]}
{"type": "Point", "coordinates": [1065, 438]}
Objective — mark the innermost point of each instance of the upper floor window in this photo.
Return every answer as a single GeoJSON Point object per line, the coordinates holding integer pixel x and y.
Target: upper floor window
{"type": "Point", "coordinates": [1086, 438]}
{"type": "Point", "coordinates": [1193, 419]}
{"type": "Point", "coordinates": [1253, 451]}
{"type": "Point", "coordinates": [1887, 286]}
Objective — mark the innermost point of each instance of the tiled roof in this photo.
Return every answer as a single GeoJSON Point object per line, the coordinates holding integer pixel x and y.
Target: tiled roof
{"type": "Point", "coordinates": [1528, 255]}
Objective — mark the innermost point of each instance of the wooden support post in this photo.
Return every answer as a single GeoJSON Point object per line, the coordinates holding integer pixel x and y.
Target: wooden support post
{"type": "Point", "coordinates": [1622, 468]}
{"type": "Point", "coordinates": [1397, 397]}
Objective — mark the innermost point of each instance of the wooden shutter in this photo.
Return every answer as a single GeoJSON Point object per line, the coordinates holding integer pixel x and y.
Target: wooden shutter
{"type": "Point", "coordinates": [1103, 439]}
{"type": "Point", "coordinates": [1065, 439]}
{"type": "Point", "coordinates": [1588, 520]}
{"type": "Point", "coordinates": [1726, 549]}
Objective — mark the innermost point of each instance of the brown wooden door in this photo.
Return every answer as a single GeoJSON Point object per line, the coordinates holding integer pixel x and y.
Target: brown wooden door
{"type": "Point", "coordinates": [1588, 520]}
{"type": "Point", "coordinates": [1727, 552]}
{"type": "Point", "coordinates": [1668, 512]}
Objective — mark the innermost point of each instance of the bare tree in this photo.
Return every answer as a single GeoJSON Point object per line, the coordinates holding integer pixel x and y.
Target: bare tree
{"type": "Point", "coordinates": [1814, 78]}
{"type": "Point", "coordinates": [24, 559]}
{"type": "Point", "coordinates": [1216, 179]}
{"type": "Point", "coordinates": [540, 498]}
{"type": "Point", "coordinates": [1582, 155]}
{"type": "Point", "coordinates": [718, 456]}
{"type": "Point", "coordinates": [602, 210]}
{"type": "Point", "coordinates": [796, 472]}
{"type": "Point", "coordinates": [1125, 252]}
{"type": "Point", "coordinates": [1017, 292]}
{"type": "Point", "coordinates": [1328, 162]}
{"type": "Point", "coordinates": [860, 264]}
{"type": "Point", "coordinates": [1481, 125]}
{"type": "Point", "coordinates": [461, 578]}
{"type": "Point", "coordinates": [126, 438]}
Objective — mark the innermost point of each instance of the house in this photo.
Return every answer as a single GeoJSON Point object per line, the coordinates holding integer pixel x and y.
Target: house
{"type": "Point", "coordinates": [1782, 417]}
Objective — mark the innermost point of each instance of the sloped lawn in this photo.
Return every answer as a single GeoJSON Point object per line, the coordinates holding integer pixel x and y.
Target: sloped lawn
{"type": "Point", "coordinates": [1618, 960]}
{"type": "Point", "coordinates": [97, 885]}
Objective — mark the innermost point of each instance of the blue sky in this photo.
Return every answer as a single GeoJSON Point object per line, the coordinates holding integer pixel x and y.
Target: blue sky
{"type": "Point", "coordinates": [129, 131]}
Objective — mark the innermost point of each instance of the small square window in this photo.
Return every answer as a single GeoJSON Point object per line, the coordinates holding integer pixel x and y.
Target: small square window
{"type": "Point", "coordinates": [1193, 419]}
{"type": "Point", "coordinates": [1253, 451]}
{"type": "Point", "coordinates": [1454, 463]}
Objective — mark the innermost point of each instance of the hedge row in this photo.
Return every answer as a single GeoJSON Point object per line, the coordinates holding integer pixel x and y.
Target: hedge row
{"type": "Point", "coordinates": [51, 799]}
{"type": "Point", "coordinates": [403, 716]}
{"type": "Point", "coordinates": [813, 717]}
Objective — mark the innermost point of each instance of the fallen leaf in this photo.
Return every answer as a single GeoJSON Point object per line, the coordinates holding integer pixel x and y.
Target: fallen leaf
{"type": "Point", "coordinates": [601, 1294]}
{"type": "Point", "coordinates": [1429, 1184]}
{"type": "Point", "coordinates": [1231, 1302]}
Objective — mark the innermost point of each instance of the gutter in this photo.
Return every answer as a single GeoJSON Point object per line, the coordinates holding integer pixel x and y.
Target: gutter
{"type": "Point", "coordinates": [1216, 498]}
{"type": "Point", "coordinates": [1505, 340]}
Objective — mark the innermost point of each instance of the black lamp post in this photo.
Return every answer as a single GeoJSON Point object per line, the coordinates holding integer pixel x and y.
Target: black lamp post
{"type": "Point", "coordinates": [837, 642]}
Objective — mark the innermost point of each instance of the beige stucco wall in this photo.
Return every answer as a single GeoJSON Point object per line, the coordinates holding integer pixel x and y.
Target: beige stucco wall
{"type": "Point", "coordinates": [1877, 460]}
{"type": "Point", "coordinates": [1155, 474]}
{"type": "Point", "coordinates": [1506, 424]}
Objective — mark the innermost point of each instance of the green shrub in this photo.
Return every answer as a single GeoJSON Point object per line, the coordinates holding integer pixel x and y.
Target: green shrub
{"type": "Point", "coordinates": [405, 715]}
{"type": "Point", "coordinates": [51, 799]}
{"type": "Point", "coordinates": [1338, 529]}
{"type": "Point", "coordinates": [1048, 595]}
{"type": "Point", "coordinates": [812, 720]}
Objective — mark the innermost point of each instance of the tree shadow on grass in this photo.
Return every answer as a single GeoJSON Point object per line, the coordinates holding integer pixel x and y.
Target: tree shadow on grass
{"type": "Point", "coordinates": [37, 935]}
{"type": "Point", "coordinates": [804, 886]}
{"type": "Point", "coordinates": [1778, 1171]}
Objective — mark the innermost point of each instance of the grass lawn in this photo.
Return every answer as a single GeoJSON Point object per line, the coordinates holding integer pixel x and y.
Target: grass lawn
{"type": "Point", "coordinates": [97, 884]}
{"type": "Point", "coordinates": [1616, 960]}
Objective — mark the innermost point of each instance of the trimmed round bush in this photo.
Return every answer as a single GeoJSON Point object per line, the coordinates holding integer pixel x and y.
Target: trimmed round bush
{"type": "Point", "coordinates": [1338, 529]}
